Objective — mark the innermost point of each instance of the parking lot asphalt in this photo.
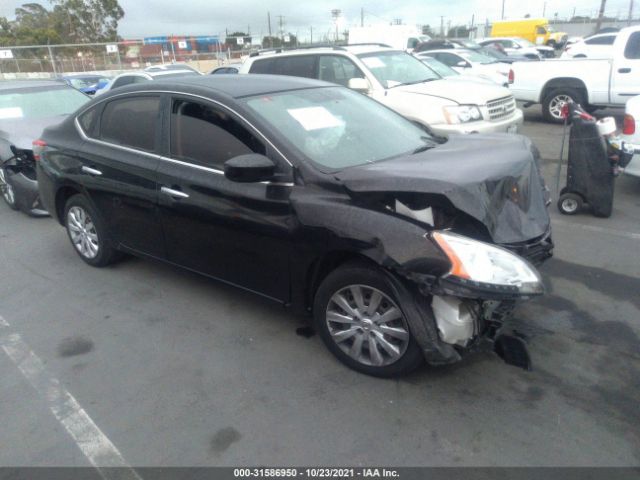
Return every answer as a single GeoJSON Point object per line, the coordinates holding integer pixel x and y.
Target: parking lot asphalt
{"type": "Point", "coordinates": [177, 370]}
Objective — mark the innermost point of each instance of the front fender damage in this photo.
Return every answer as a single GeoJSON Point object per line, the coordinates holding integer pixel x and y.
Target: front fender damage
{"type": "Point", "coordinates": [414, 267]}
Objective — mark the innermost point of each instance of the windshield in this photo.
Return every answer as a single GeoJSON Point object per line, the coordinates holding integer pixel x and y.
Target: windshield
{"type": "Point", "coordinates": [86, 81]}
{"type": "Point", "coordinates": [39, 102]}
{"type": "Point", "coordinates": [524, 43]}
{"type": "Point", "coordinates": [394, 68]}
{"type": "Point", "coordinates": [440, 68]}
{"type": "Point", "coordinates": [475, 57]}
{"type": "Point", "coordinates": [332, 126]}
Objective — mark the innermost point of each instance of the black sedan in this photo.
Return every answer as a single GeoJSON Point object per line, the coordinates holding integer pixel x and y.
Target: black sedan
{"type": "Point", "coordinates": [26, 108]}
{"type": "Point", "coordinates": [313, 196]}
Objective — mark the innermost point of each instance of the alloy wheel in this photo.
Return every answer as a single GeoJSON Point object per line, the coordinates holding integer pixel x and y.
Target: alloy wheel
{"type": "Point", "coordinates": [556, 104]}
{"type": "Point", "coordinates": [83, 233]}
{"type": "Point", "coordinates": [367, 325]}
{"type": "Point", "coordinates": [6, 189]}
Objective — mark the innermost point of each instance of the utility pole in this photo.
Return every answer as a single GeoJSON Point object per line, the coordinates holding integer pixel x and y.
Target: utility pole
{"type": "Point", "coordinates": [311, 34]}
{"type": "Point", "coordinates": [603, 4]}
{"type": "Point", "coordinates": [630, 19]}
{"type": "Point", "coordinates": [281, 24]}
{"type": "Point", "coordinates": [441, 26]}
{"type": "Point", "coordinates": [544, 9]}
{"type": "Point", "coordinates": [269, 23]}
{"type": "Point", "coordinates": [502, 15]}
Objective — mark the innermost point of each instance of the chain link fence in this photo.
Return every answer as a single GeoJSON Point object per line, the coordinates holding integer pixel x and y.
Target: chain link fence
{"type": "Point", "coordinates": [55, 60]}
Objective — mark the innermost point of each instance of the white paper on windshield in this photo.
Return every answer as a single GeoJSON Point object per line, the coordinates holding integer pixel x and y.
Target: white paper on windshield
{"type": "Point", "coordinates": [373, 62]}
{"type": "Point", "coordinates": [11, 112]}
{"type": "Point", "coordinates": [315, 118]}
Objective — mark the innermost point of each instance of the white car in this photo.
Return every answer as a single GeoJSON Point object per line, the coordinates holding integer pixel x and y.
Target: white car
{"type": "Point", "coordinates": [520, 46]}
{"type": "Point", "coordinates": [596, 46]}
{"type": "Point", "coordinates": [131, 78]}
{"type": "Point", "coordinates": [631, 133]}
{"type": "Point", "coordinates": [474, 64]}
{"type": "Point", "coordinates": [401, 82]}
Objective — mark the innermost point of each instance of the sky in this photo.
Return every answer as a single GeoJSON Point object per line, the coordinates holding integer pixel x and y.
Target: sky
{"type": "Point", "coordinates": [202, 17]}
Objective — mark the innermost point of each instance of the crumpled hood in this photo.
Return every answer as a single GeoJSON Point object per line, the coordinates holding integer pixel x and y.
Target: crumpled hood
{"type": "Point", "coordinates": [493, 178]}
{"type": "Point", "coordinates": [21, 132]}
{"type": "Point", "coordinates": [464, 92]}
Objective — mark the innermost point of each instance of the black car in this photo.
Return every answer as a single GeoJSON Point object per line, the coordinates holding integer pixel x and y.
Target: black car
{"type": "Point", "coordinates": [313, 196]}
{"type": "Point", "coordinates": [26, 108]}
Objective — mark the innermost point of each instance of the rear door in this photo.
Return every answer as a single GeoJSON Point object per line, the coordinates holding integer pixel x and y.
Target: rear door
{"type": "Point", "coordinates": [119, 168]}
{"type": "Point", "coordinates": [236, 232]}
{"type": "Point", "coordinates": [625, 76]}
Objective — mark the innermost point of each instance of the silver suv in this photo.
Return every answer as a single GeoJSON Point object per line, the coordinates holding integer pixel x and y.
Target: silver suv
{"type": "Point", "coordinates": [401, 82]}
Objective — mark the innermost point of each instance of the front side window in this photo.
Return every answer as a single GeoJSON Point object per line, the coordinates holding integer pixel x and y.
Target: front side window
{"type": "Point", "coordinates": [448, 59]}
{"type": "Point", "coordinates": [338, 69]}
{"type": "Point", "coordinates": [131, 122]}
{"type": "Point", "coordinates": [393, 68]}
{"type": "Point", "coordinates": [541, 31]}
{"type": "Point", "coordinates": [206, 136]}
{"type": "Point", "coordinates": [332, 126]}
{"type": "Point", "coordinates": [122, 81]}
{"type": "Point", "coordinates": [632, 50]}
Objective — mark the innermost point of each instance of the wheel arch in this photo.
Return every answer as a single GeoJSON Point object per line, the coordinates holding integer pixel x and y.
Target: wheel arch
{"type": "Point", "coordinates": [564, 82]}
{"type": "Point", "coordinates": [327, 263]}
{"type": "Point", "coordinates": [63, 194]}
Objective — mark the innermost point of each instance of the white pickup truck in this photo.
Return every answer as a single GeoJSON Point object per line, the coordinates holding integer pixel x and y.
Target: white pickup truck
{"type": "Point", "coordinates": [592, 83]}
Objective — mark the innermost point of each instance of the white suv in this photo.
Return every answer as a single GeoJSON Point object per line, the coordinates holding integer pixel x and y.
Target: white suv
{"type": "Point", "coordinates": [401, 82]}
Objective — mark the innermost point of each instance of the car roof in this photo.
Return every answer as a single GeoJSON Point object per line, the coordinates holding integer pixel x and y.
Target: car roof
{"type": "Point", "coordinates": [353, 49]}
{"type": "Point", "coordinates": [16, 84]}
{"type": "Point", "coordinates": [236, 86]}
{"type": "Point", "coordinates": [84, 75]}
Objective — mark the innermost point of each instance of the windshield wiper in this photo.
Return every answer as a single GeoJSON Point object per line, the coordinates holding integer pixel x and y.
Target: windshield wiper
{"type": "Point", "coordinates": [414, 83]}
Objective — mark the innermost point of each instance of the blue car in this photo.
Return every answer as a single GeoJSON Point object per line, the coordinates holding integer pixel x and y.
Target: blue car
{"type": "Point", "coordinates": [88, 84]}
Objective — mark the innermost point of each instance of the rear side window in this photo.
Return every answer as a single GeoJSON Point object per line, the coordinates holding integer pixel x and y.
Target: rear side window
{"type": "Point", "coordinates": [88, 121]}
{"type": "Point", "coordinates": [122, 81]}
{"type": "Point", "coordinates": [448, 59]}
{"type": "Point", "coordinates": [298, 66]}
{"type": "Point", "coordinates": [632, 50]}
{"type": "Point", "coordinates": [131, 122]}
{"type": "Point", "coordinates": [607, 40]}
{"type": "Point", "coordinates": [262, 66]}
{"type": "Point", "coordinates": [207, 136]}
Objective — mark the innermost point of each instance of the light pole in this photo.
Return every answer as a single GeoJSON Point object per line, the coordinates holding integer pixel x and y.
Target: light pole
{"type": "Point", "coordinates": [502, 15]}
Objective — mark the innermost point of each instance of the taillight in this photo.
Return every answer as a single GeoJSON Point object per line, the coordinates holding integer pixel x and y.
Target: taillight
{"type": "Point", "coordinates": [38, 148]}
{"type": "Point", "coordinates": [629, 125]}
{"type": "Point", "coordinates": [512, 77]}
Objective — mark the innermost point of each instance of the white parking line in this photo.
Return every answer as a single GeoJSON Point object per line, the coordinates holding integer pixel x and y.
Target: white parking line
{"type": "Point", "coordinates": [594, 228]}
{"type": "Point", "coordinates": [92, 442]}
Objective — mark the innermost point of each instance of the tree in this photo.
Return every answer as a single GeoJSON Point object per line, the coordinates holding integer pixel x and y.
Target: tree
{"type": "Point", "coordinates": [70, 21]}
{"type": "Point", "coordinates": [86, 21]}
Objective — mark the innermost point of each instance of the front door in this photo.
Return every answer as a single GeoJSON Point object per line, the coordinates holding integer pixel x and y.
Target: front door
{"type": "Point", "coordinates": [236, 232]}
{"type": "Point", "coordinates": [625, 76]}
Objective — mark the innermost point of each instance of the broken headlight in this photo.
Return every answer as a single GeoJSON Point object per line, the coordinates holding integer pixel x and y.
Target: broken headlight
{"type": "Point", "coordinates": [462, 113]}
{"type": "Point", "coordinates": [488, 267]}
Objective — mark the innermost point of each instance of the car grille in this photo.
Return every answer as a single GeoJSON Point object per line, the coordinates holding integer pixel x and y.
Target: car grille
{"type": "Point", "coordinates": [536, 250]}
{"type": "Point", "coordinates": [501, 108]}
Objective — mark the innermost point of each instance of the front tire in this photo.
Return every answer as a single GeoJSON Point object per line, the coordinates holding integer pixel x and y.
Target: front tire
{"type": "Point", "coordinates": [570, 203]}
{"type": "Point", "coordinates": [362, 323]}
{"type": "Point", "coordinates": [555, 99]}
{"type": "Point", "coordinates": [87, 232]}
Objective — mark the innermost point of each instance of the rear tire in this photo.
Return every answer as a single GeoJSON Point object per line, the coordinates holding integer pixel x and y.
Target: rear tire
{"type": "Point", "coordinates": [556, 98]}
{"type": "Point", "coordinates": [8, 193]}
{"type": "Point", "coordinates": [362, 323]}
{"type": "Point", "coordinates": [87, 232]}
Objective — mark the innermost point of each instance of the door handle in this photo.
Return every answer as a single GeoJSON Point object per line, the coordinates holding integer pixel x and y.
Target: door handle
{"type": "Point", "coordinates": [91, 171]}
{"type": "Point", "coordinates": [173, 193]}
{"type": "Point", "coordinates": [624, 70]}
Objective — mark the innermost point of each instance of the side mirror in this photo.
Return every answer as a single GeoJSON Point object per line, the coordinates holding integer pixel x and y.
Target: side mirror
{"type": "Point", "coordinates": [462, 64]}
{"type": "Point", "coordinates": [250, 168]}
{"type": "Point", "coordinates": [359, 85]}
